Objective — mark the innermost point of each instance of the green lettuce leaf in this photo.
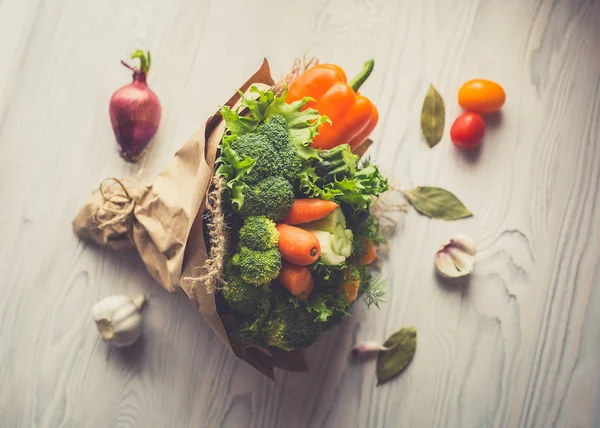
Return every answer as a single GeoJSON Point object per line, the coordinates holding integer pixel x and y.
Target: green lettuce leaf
{"type": "Point", "coordinates": [252, 330]}
{"type": "Point", "coordinates": [303, 125]}
{"type": "Point", "coordinates": [232, 167]}
{"type": "Point", "coordinates": [318, 306]}
{"type": "Point", "coordinates": [254, 112]}
{"type": "Point", "coordinates": [356, 191]}
{"type": "Point", "coordinates": [327, 273]}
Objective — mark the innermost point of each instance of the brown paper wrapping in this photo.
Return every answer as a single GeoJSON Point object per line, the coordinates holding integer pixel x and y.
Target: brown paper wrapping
{"type": "Point", "coordinates": [164, 223]}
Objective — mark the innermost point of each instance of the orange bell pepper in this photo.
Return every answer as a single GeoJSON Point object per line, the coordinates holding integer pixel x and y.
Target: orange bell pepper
{"type": "Point", "coordinates": [353, 116]}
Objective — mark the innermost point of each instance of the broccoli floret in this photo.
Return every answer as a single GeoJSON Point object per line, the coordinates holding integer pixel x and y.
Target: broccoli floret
{"type": "Point", "coordinates": [290, 164]}
{"type": "Point", "coordinates": [256, 146]}
{"type": "Point", "coordinates": [291, 327]}
{"type": "Point", "coordinates": [275, 131]}
{"type": "Point", "coordinates": [335, 319]}
{"type": "Point", "coordinates": [243, 297]}
{"type": "Point", "coordinates": [251, 329]}
{"type": "Point", "coordinates": [257, 267]}
{"type": "Point", "coordinates": [271, 149]}
{"type": "Point", "coordinates": [336, 164]}
{"type": "Point", "coordinates": [272, 198]}
{"type": "Point", "coordinates": [259, 233]}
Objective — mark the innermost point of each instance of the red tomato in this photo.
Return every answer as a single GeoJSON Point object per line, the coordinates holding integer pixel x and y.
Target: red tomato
{"type": "Point", "coordinates": [467, 131]}
{"type": "Point", "coordinates": [481, 96]}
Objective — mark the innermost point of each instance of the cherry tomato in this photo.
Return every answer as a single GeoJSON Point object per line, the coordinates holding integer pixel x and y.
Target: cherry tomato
{"type": "Point", "coordinates": [467, 131]}
{"type": "Point", "coordinates": [481, 96]}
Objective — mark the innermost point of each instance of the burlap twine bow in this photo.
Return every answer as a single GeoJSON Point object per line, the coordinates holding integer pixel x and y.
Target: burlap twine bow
{"type": "Point", "coordinates": [116, 208]}
{"type": "Point", "coordinates": [107, 217]}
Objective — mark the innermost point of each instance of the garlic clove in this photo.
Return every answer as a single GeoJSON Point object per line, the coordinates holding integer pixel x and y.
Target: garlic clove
{"type": "Point", "coordinates": [367, 348]}
{"type": "Point", "coordinates": [456, 257]}
{"type": "Point", "coordinates": [139, 301]}
{"type": "Point", "coordinates": [444, 264]}
{"type": "Point", "coordinates": [465, 244]}
{"type": "Point", "coordinates": [118, 319]}
{"type": "Point", "coordinates": [107, 332]}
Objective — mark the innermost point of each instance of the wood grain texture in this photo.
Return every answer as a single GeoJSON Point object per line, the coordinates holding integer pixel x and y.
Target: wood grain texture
{"type": "Point", "coordinates": [517, 345]}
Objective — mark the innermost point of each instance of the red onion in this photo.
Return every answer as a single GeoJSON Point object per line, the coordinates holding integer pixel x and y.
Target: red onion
{"type": "Point", "coordinates": [135, 111]}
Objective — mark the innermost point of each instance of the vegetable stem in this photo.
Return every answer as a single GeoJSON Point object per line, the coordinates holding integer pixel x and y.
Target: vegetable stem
{"type": "Point", "coordinates": [357, 82]}
{"type": "Point", "coordinates": [128, 66]}
{"type": "Point", "coordinates": [144, 60]}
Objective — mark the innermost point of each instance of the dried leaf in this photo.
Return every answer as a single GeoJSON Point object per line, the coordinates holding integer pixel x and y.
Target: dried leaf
{"type": "Point", "coordinates": [437, 203]}
{"type": "Point", "coordinates": [433, 116]}
{"type": "Point", "coordinates": [402, 346]}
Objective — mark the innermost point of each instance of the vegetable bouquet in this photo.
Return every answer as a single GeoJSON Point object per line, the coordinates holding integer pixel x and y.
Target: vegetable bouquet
{"type": "Point", "coordinates": [263, 219]}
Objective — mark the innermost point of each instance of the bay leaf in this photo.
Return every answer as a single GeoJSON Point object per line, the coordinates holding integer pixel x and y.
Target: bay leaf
{"type": "Point", "coordinates": [433, 116]}
{"type": "Point", "coordinates": [402, 346]}
{"type": "Point", "coordinates": [438, 203]}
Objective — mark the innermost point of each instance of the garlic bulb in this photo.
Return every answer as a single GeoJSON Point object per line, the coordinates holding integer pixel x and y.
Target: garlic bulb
{"type": "Point", "coordinates": [456, 257]}
{"type": "Point", "coordinates": [367, 348]}
{"type": "Point", "coordinates": [118, 319]}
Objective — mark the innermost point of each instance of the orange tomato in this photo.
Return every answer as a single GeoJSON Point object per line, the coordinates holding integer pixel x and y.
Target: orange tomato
{"type": "Point", "coordinates": [481, 96]}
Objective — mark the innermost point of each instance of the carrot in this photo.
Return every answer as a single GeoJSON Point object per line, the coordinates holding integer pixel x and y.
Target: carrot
{"type": "Point", "coordinates": [307, 210]}
{"type": "Point", "coordinates": [351, 285]}
{"type": "Point", "coordinates": [306, 293]}
{"type": "Point", "coordinates": [370, 253]}
{"type": "Point", "coordinates": [296, 279]}
{"type": "Point", "coordinates": [298, 246]}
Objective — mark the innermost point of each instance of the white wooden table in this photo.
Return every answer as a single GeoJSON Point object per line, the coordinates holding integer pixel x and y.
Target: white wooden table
{"type": "Point", "coordinates": [518, 346]}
